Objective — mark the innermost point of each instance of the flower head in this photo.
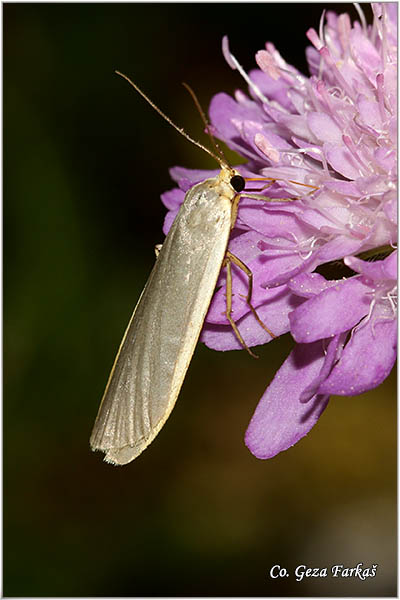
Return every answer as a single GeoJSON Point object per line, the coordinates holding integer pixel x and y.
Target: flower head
{"type": "Point", "coordinates": [328, 142]}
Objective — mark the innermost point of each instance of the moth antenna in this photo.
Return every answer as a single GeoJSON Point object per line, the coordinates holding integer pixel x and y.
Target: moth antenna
{"type": "Point", "coordinates": [214, 142]}
{"type": "Point", "coordinates": [164, 116]}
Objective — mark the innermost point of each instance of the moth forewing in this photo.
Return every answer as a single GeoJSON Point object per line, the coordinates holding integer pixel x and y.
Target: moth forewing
{"type": "Point", "coordinates": [159, 342]}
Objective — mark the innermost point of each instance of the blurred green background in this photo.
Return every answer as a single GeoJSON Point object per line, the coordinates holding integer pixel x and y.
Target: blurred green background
{"type": "Point", "coordinates": [85, 161]}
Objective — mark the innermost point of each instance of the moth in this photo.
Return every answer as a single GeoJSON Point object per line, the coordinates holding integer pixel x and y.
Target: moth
{"type": "Point", "coordinates": [163, 331]}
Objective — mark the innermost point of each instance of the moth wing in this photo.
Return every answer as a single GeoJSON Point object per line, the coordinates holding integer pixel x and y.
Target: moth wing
{"type": "Point", "coordinates": [159, 342]}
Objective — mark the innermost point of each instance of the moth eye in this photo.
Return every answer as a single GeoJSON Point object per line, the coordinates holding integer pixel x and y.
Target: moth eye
{"type": "Point", "coordinates": [238, 183]}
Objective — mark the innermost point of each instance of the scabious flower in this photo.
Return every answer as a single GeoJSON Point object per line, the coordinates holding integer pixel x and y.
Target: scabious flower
{"type": "Point", "coordinates": [327, 141]}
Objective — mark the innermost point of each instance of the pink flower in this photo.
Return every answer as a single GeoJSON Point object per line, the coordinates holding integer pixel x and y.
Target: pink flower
{"type": "Point", "coordinates": [329, 142]}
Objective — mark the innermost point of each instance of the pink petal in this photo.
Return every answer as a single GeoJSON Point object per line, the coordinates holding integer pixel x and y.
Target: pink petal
{"type": "Point", "coordinates": [324, 127]}
{"type": "Point", "coordinates": [282, 278]}
{"type": "Point", "coordinates": [365, 54]}
{"type": "Point", "coordinates": [169, 219]}
{"type": "Point", "coordinates": [223, 109]}
{"type": "Point", "coordinates": [313, 60]}
{"type": "Point", "coordinates": [172, 199]}
{"type": "Point", "coordinates": [271, 221]}
{"type": "Point", "coordinates": [280, 419]}
{"type": "Point", "coordinates": [266, 148]}
{"type": "Point", "coordinates": [273, 89]}
{"type": "Point", "coordinates": [334, 310]}
{"type": "Point", "coordinates": [390, 207]}
{"type": "Point", "coordinates": [366, 361]}
{"type": "Point", "coordinates": [308, 285]}
{"type": "Point", "coordinates": [331, 354]}
{"type": "Point", "coordinates": [390, 266]}
{"type": "Point", "coordinates": [338, 247]}
{"type": "Point", "coordinates": [341, 160]}
{"type": "Point", "coordinates": [186, 178]}
{"type": "Point", "coordinates": [369, 113]}
{"type": "Point", "coordinates": [348, 188]}
{"type": "Point", "coordinates": [379, 269]}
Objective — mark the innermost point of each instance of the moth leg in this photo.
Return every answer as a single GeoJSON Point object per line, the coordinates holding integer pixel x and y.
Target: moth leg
{"type": "Point", "coordinates": [258, 196]}
{"type": "Point", "coordinates": [266, 199]}
{"type": "Point", "coordinates": [227, 264]}
{"type": "Point", "coordinates": [232, 258]}
{"type": "Point", "coordinates": [234, 211]}
{"type": "Point", "coordinates": [272, 180]}
{"type": "Point", "coordinates": [264, 187]}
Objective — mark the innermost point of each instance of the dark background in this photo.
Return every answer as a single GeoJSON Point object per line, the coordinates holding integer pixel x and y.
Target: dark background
{"type": "Point", "coordinates": [85, 161]}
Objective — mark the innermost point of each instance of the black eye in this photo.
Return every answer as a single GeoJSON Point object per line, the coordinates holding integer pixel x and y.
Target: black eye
{"type": "Point", "coordinates": [238, 183]}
